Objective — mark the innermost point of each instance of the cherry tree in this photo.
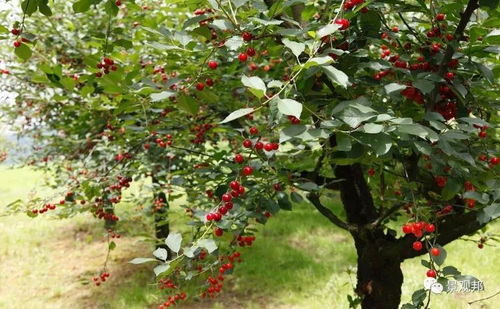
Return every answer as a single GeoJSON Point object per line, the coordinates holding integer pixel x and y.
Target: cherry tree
{"type": "Point", "coordinates": [245, 107]}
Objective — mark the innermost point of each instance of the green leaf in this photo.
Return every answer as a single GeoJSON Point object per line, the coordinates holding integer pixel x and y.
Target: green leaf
{"type": "Point", "coordinates": [82, 6]}
{"type": "Point", "coordinates": [373, 128]}
{"type": "Point", "coordinates": [237, 114]}
{"type": "Point", "coordinates": [44, 8]}
{"type": "Point", "coordinates": [425, 86]}
{"type": "Point", "coordinates": [161, 269]}
{"type": "Point", "coordinates": [3, 29]}
{"type": "Point", "coordinates": [343, 142]}
{"type": "Point", "coordinates": [142, 260]}
{"type": "Point", "coordinates": [307, 186]}
{"type": "Point", "coordinates": [111, 8]}
{"type": "Point", "coordinates": [161, 253]}
{"type": "Point", "coordinates": [256, 85]}
{"type": "Point", "coordinates": [290, 107]}
{"type": "Point", "coordinates": [23, 51]}
{"type": "Point", "coordinates": [297, 48]}
{"type": "Point", "coordinates": [188, 104]}
{"type": "Point", "coordinates": [451, 189]}
{"type": "Point", "coordinates": [296, 198]}
{"type": "Point", "coordinates": [492, 4]}
{"type": "Point", "coordinates": [174, 241]}
{"type": "Point", "coordinates": [450, 271]}
{"type": "Point", "coordinates": [488, 213]}
{"type": "Point", "coordinates": [29, 6]}
{"type": "Point", "coordinates": [439, 260]}
{"type": "Point", "coordinates": [155, 97]}
{"type": "Point", "coordinates": [112, 245]}
{"type": "Point", "coordinates": [291, 131]}
{"type": "Point", "coordinates": [318, 61]}
{"type": "Point", "coordinates": [425, 263]}
{"type": "Point", "coordinates": [370, 23]}
{"type": "Point", "coordinates": [393, 87]}
{"type": "Point", "coordinates": [413, 129]}
{"type": "Point", "coordinates": [381, 142]}
{"type": "Point", "coordinates": [336, 76]}
{"type": "Point", "coordinates": [486, 72]}
{"type": "Point", "coordinates": [208, 244]}
{"type": "Point", "coordinates": [327, 30]}
{"type": "Point", "coordinates": [234, 43]}
{"type": "Point", "coordinates": [418, 297]}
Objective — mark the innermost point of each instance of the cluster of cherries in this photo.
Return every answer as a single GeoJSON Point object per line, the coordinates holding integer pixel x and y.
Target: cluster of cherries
{"type": "Point", "coordinates": [162, 142]}
{"type": "Point", "coordinates": [237, 190]}
{"type": "Point", "coordinates": [158, 204]}
{"type": "Point", "coordinates": [102, 214]}
{"type": "Point", "coordinates": [107, 65]}
{"type": "Point", "coordinates": [413, 94]}
{"type": "Point", "coordinates": [123, 156]}
{"type": "Point", "coordinates": [101, 279]}
{"type": "Point", "coordinates": [201, 131]}
{"type": "Point", "coordinates": [123, 182]}
{"type": "Point", "coordinates": [441, 181]}
{"type": "Point", "coordinates": [245, 241]}
{"type": "Point", "coordinates": [350, 4]}
{"type": "Point", "coordinates": [45, 208]}
{"type": "Point", "coordinates": [112, 234]}
{"type": "Point", "coordinates": [418, 228]}
{"type": "Point", "coordinates": [482, 130]}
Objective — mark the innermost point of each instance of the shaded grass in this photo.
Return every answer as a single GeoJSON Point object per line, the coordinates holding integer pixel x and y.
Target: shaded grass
{"type": "Point", "coordinates": [299, 260]}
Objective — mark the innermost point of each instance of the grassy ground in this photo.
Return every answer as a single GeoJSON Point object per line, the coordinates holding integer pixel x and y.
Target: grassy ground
{"type": "Point", "coordinates": [298, 261]}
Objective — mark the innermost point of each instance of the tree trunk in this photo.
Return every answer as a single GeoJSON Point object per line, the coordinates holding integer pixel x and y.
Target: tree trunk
{"type": "Point", "coordinates": [162, 228]}
{"type": "Point", "coordinates": [379, 276]}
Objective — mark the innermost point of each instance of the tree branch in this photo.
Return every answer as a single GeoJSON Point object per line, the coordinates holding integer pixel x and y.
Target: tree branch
{"type": "Point", "coordinates": [314, 198]}
{"type": "Point", "coordinates": [450, 228]}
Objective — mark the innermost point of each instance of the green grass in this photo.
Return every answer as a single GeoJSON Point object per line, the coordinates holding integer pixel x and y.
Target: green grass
{"type": "Point", "coordinates": [299, 260]}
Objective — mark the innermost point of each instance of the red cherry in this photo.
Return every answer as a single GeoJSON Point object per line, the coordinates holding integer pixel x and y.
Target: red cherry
{"type": "Point", "coordinates": [226, 197]}
{"type": "Point", "coordinates": [238, 158]}
{"type": "Point", "coordinates": [276, 146]}
{"type": "Point", "coordinates": [218, 232]}
{"type": "Point", "coordinates": [431, 273]}
{"type": "Point", "coordinates": [17, 44]}
{"type": "Point", "coordinates": [482, 134]}
{"type": "Point", "coordinates": [254, 131]}
{"type": "Point", "coordinates": [449, 75]}
{"type": "Point", "coordinates": [343, 23]}
{"type": "Point", "coordinates": [407, 229]}
{"type": "Point", "coordinates": [210, 216]}
{"type": "Point", "coordinates": [435, 251]}
{"type": "Point", "coordinates": [247, 143]}
{"type": "Point", "coordinates": [417, 245]}
{"type": "Point", "coordinates": [277, 187]}
{"type": "Point", "coordinates": [247, 170]}
{"type": "Point", "coordinates": [241, 190]}
{"type": "Point", "coordinates": [217, 216]}
{"type": "Point", "coordinates": [212, 64]}
{"type": "Point", "coordinates": [440, 17]}
{"type": "Point", "coordinates": [118, 3]}
{"type": "Point", "coordinates": [371, 172]}
{"type": "Point", "coordinates": [243, 57]}
{"type": "Point", "coordinates": [251, 51]}
{"type": "Point", "coordinates": [228, 205]}
{"type": "Point", "coordinates": [430, 228]}
{"type": "Point", "coordinates": [234, 185]}
{"type": "Point", "coordinates": [259, 145]}
{"type": "Point", "coordinates": [209, 82]}
{"type": "Point", "coordinates": [247, 36]}
{"type": "Point", "coordinates": [494, 160]}
{"type": "Point", "coordinates": [395, 29]}
{"type": "Point", "coordinates": [268, 147]}
{"type": "Point", "coordinates": [200, 86]}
